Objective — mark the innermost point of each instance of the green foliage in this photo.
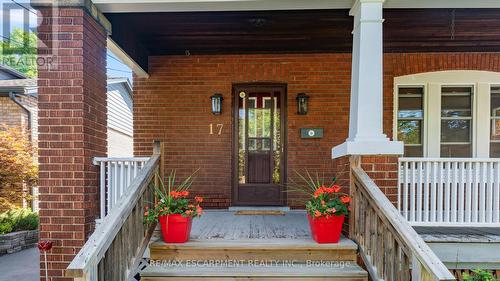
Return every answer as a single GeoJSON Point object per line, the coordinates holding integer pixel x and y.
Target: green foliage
{"type": "Point", "coordinates": [20, 52]}
{"type": "Point", "coordinates": [325, 197]}
{"type": "Point", "coordinates": [18, 220]}
{"type": "Point", "coordinates": [5, 227]}
{"type": "Point", "coordinates": [171, 198]}
{"type": "Point", "coordinates": [479, 275]}
{"type": "Point", "coordinates": [17, 168]}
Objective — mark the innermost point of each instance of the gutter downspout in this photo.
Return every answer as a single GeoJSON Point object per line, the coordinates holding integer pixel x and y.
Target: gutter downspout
{"type": "Point", "coordinates": [12, 96]}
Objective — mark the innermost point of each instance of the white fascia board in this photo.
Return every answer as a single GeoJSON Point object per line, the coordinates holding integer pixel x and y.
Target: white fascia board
{"type": "Point", "coordinates": [126, 59]}
{"type": "Point", "coordinates": [137, 6]}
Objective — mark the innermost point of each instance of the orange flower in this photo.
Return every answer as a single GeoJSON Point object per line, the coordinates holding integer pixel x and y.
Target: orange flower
{"type": "Point", "coordinates": [199, 210]}
{"type": "Point", "coordinates": [318, 192]}
{"type": "Point", "coordinates": [190, 206]}
{"type": "Point", "coordinates": [336, 188]}
{"type": "Point", "coordinates": [332, 210]}
{"type": "Point", "coordinates": [198, 199]}
{"type": "Point", "coordinates": [175, 194]}
{"type": "Point", "coordinates": [345, 199]}
{"type": "Point", "coordinates": [184, 193]}
{"type": "Point", "coordinates": [146, 213]}
{"type": "Point", "coordinates": [189, 212]}
{"type": "Point", "coordinates": [317, 214]}
{"type": "Point", "coordinates": [323, 203]}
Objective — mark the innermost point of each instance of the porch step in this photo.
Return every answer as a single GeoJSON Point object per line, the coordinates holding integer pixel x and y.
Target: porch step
{"type": "Point", "coordinates": [282, 272]}
{"type": "Point", "coordinates": [300, 250]}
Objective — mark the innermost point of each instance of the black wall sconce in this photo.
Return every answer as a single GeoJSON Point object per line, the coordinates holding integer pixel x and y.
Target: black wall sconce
{"type": "Point", "coordinates": [302, 100]}
{"type": "Point", "coordinates": [216, 104]}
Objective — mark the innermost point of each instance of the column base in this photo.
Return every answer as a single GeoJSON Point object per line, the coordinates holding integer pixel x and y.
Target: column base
{"type": "Point", "coordinates": [372, 147]}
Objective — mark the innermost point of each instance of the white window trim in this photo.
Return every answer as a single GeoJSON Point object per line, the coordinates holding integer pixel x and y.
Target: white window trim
{"type": "Point", "coordinates": [432, 82]}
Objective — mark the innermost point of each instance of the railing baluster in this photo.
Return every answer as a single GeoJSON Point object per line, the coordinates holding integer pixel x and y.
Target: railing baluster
{"type": "Point", "coordinates": [426, 191]}
{"type": "Point", "coordinates": [389, 246]}
{"type": "Point", "coordinates": [449, 191]}
{"type": "Point", "coordinates": [433, 192]}
{"type": "Point", "coordinates": [496, 194]}
{"type": "Point", "coordinates": [102, 189]}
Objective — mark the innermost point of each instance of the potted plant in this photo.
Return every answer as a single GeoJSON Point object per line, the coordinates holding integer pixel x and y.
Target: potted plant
{"type": "Point", "coordinates": [326, 208]}
{"type": "Point", "coordinates": [173, 209]}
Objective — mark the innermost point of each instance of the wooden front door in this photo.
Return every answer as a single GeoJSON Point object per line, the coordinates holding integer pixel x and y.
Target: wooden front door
{"type": "Point", "coordinates": [259, 144]}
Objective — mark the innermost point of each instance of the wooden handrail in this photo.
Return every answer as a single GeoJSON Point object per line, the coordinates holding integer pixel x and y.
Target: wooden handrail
{"type": "Point", "coordinates": [389, 246]}
{"type": "Point", "coordinates": [119, 241]}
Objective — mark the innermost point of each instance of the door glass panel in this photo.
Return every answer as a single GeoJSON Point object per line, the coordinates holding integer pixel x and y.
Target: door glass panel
{"type": "Point", "coordinates": [242, 144]}
{"type": "Point", "coordinates": [259, 138]}
{"type": "Point", "coordinates": [277, 139]}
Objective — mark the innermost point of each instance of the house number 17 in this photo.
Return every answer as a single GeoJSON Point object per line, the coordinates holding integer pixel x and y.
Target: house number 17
{"type": "Point", "coordinates": [218, 128]}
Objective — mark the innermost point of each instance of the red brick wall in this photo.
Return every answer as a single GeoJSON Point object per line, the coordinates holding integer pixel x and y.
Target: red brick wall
{"type": "Point", "coordinates": [173, 105]}
{"type": "Point", "coordinates": [72, 130]}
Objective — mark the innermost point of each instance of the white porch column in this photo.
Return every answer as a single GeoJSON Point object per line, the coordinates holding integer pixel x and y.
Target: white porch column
{"type": "Point", "coordinates": [366, 135]}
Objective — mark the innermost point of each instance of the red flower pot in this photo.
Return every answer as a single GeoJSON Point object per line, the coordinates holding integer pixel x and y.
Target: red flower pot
{"type": "Point", "coordinates": [175, 228]}
{"type": "Point", "coordinates": [326, 229]}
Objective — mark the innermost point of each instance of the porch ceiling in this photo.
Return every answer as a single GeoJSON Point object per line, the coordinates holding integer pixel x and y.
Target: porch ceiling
{"type": "Point", "coordinates": [299, 31]}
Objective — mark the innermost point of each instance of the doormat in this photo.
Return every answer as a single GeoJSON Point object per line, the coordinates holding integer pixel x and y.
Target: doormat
{"type": "Point", "coordinates": [259, 213]}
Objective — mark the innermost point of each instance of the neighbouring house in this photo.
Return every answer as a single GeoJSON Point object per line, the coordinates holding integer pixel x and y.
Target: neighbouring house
{"type": "Point", "coordinates": [397, 99]}
{"type": "Point", "coordinates": [120, 118]}
{"type": "Point", "coordinates": [19, 108]}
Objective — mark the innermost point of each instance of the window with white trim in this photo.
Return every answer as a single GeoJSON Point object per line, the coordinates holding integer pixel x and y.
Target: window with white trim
{"type": "Point", "coordinates": [411, 120]}
{"type": "Point", "coordinates": [456, 121]}
{"type": "Point", "coordinates": [495, 122]}
{"type": "Point", "coordinates": [452, 113]}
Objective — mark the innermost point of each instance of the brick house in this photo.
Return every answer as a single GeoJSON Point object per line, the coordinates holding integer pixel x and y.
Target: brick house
{"type": "Point", "coordinates": [249, 92]}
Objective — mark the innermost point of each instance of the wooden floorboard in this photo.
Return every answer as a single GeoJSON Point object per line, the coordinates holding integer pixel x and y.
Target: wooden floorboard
{"type": "Point", "coordinates": [228, 226]}
{"type": "Point", "coordinates": [459, 234]}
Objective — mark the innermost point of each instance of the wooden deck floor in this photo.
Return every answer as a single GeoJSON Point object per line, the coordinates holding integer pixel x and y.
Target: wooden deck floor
{"type": "Point", "coordinates": [459, 234]}
{"type": "Point", "coordinates": [228, 226]}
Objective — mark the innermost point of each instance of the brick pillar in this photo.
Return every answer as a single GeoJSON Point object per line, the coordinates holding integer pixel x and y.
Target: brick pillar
{"type": "Point", "coordinates": [383, 170]}
{"type": "Point", "coordinates": [72, 127]}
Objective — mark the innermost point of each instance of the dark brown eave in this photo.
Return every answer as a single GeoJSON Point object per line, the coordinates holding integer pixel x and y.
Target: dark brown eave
{"type": "Point", "coordinates": [300, 31]}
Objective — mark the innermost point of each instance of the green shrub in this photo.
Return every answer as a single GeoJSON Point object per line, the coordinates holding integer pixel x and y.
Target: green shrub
{"type": "Point", "coordinates": [18, 220]}
{"type": "Point", "coordinates": [479, 275]}
{"type": "Point", "coordinates": [5, 227]}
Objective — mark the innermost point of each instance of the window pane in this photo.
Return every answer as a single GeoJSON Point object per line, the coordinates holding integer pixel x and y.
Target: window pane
{"type": "Point", "coordinates": [495, 102]}
{"type": "Point", "coordinates": [495, 149]}
{"type": "Point", "coordinates": [413, 151]}
{"type": "Point", "coordinates": [410, 115]}
{"type": "Point", "coordinates": [456, 150]}
{"type": "Point", "coordinates": [410, 132]}
{"type": "Point", "coordinates": [410, 103]}
{"type": "Point", "coordinates": [495, 122]}
{"type": "Point", "coordinates": [455, 131]}
{"type": "Point", "coordinates": [495, 129]}
{"type": "Point", "coordinates": [456, 102]}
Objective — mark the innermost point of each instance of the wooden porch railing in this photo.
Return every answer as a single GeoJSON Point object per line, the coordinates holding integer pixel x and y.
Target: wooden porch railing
{"type": "Point", "coordinates": [389, 246]}
{"type": "Point", "coordinates": [449, 191]}
{"type": "Point", "coordinates": [116, 175]}
{"type": "Point", "coordinates": [116, 247]}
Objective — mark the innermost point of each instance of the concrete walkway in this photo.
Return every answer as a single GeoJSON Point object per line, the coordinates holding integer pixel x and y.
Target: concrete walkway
{"type": "Point", "coordinates": [20, 266]}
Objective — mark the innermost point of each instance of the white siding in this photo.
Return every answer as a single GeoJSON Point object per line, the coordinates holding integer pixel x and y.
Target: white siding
{"type": "Point", "coordinates": [120, 109]}
{"type": "Point", "coordinates": [120, 121]}
{"type": "Point", "coordinates": [119, 144]}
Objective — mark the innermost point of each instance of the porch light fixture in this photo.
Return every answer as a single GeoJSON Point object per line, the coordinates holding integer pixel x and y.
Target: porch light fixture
{"type": "Point", "coordinates": [302, 99]}
{"type": "Point", "coordinates": [216, 104]}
